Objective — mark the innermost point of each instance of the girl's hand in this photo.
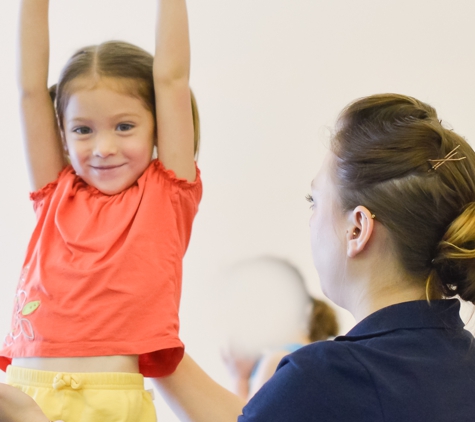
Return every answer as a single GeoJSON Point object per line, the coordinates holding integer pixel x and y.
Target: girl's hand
{"type": "Point", "coordinates": [16, 406]}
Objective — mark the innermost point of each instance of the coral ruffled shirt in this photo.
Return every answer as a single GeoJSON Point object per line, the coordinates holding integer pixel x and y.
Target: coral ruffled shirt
{"type": "Point", "coordinates": [102, 274]}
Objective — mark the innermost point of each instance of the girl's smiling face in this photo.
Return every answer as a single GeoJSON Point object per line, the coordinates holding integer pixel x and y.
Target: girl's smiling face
{"type": "Point", "coordinates": [109, 135]}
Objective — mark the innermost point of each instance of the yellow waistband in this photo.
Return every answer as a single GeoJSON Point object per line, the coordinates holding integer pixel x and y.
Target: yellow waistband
{"type": "Point", "coordinates": [96, 380]}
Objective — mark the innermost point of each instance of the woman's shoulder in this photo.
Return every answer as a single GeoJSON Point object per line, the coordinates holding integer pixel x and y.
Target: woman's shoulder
{"type": "Point", "coordinates": [315, 380]}
{"type": "Point", "coordinates": [321, 356]}
{"type": "Point", "coordinates": [325, 366]}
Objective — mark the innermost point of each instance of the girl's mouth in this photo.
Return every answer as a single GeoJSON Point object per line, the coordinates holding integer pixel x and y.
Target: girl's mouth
{"type": "Point", "coordinates": [108, 167]}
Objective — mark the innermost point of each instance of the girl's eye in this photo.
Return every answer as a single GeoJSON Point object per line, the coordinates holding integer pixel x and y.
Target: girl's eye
{"type": "Point", "coordinates": [124, 127]}
{"type": "Point", "coordinates": [309, 198]}
{"type": "Point", "coordinates": [82, 130]}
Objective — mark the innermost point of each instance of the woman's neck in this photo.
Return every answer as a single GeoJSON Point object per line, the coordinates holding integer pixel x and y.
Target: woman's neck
{"type": "Point", "coordinates": [381, 298]}
{"type": "Point", "coordinates": [378, 282]}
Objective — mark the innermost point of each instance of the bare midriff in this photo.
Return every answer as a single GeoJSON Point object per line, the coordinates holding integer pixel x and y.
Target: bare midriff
{"type": "Point", "coordinates": [128, 364]}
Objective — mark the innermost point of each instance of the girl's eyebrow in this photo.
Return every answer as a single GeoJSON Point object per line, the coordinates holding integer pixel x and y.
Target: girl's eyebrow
{"type": "Point", "coordinates": [78, 119]}
{"type": "Point", "coordinates": [125, 114]}
{"type": "Point", "coordinates": [114, 117]}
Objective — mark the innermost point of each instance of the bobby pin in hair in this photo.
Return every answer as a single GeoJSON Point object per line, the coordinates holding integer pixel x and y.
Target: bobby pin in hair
{"type": "Point", "coordinates": [449, 157]}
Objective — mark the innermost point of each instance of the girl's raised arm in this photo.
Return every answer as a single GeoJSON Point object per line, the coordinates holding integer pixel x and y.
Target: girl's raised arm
{"type": "Point", "coordinates": [44, 150]}
{"type": "Point", "coordinates": [171, 72]}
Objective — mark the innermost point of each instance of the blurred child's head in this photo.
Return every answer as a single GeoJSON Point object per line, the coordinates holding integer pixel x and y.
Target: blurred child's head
{"type": "Point", "coordinates": [322, 322]}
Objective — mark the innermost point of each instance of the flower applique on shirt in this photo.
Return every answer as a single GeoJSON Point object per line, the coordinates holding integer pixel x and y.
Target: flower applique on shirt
{"type": "Point", "coordinates": [20, 324]}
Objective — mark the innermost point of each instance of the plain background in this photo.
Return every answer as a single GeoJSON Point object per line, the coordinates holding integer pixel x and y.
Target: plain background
{"type": "Point", "coordinates": [270, 77]}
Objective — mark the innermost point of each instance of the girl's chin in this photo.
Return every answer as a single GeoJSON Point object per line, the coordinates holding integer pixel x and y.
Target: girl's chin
{"type": "Point", "coordinates": [112, 188]}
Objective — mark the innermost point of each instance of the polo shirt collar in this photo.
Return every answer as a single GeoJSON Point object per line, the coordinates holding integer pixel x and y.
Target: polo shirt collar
{"type": "Point", "coordinates": [410, 315]}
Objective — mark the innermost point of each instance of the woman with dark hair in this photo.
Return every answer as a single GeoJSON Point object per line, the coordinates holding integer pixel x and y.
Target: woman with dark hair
{"type": "Point", "coordinates": [393, 240]}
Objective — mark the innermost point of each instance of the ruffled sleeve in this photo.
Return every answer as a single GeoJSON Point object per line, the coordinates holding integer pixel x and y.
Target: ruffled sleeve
{"type": "Point", "coordinates": [171, 176]}
{"type": "Point", "coordinates": [185, 198]}
{"type": "Point", "coordinates": [38, 197]}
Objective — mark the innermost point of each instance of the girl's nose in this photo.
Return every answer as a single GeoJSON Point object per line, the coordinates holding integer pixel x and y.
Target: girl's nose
{"type": "Point", "coordinates": [105, 146]}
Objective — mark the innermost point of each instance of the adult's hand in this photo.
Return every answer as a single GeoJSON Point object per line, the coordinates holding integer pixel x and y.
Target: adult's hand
{"type": "Point", "coordinates": [16, 406]}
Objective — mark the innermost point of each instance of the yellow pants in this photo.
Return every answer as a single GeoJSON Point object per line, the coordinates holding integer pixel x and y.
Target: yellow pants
{"type": "Point", "coordinates": [86, 397]}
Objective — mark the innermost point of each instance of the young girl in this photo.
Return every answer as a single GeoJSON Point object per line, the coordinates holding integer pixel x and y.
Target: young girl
{"type": "Point", "coordinates": [97, 302]}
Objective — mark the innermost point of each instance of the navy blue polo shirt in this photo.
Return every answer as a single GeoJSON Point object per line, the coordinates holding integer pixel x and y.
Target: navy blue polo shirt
{"type": "Point", "coordinates": [410, 362]}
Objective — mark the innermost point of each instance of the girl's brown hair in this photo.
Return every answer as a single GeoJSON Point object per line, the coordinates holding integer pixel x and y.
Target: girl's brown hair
{"type": "Point", "coordinates": [385, 147]}
{"type": "Point", "coordinates": [322, 322]}
{"type": "Point", "coordinates": [129, 64]}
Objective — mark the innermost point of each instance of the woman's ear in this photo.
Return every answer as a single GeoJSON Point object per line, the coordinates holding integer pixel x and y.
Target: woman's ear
{"type": "Point", "coordinates": [361, 224]}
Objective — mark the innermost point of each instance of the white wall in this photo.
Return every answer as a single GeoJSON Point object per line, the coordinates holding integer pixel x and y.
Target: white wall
{"type": "Point", "coordinates": [270, 76]}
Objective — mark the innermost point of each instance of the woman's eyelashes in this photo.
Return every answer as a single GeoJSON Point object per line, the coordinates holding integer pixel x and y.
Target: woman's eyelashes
{"type": "Point", "coordinates": [309, 198]}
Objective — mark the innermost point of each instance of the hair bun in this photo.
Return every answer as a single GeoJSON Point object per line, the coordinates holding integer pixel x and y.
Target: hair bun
{"type": "Point", "coordinates": [454, 264]}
